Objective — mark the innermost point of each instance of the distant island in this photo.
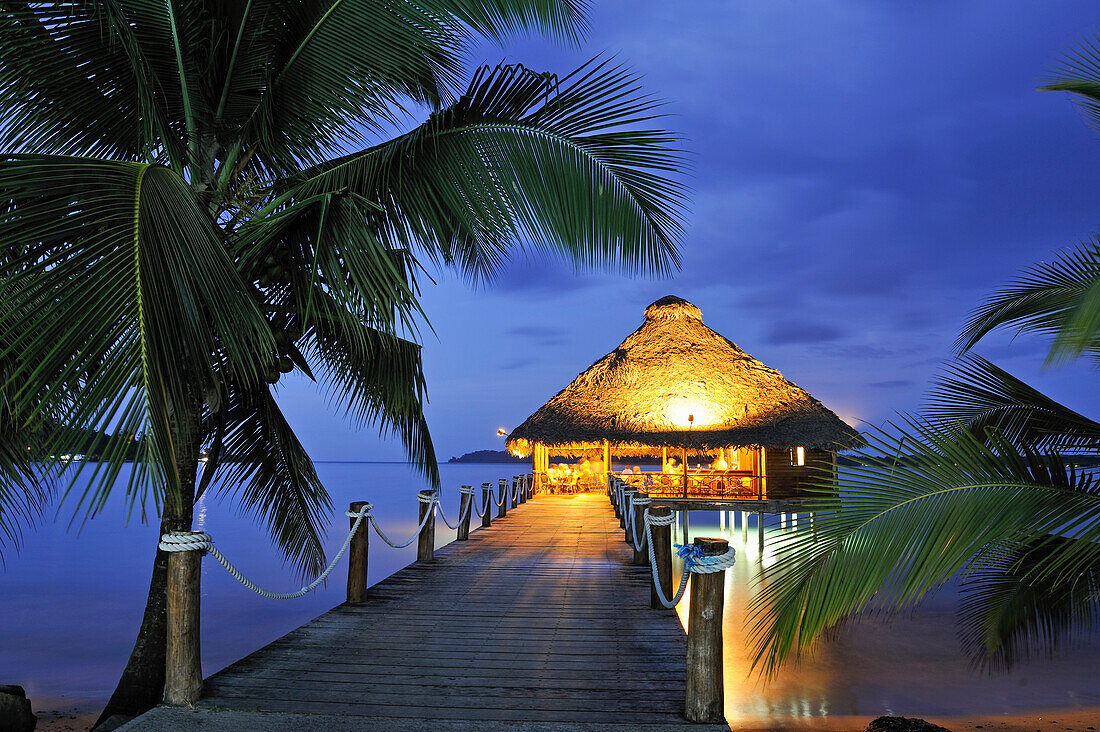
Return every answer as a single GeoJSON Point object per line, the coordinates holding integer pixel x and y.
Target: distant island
{"type": "Point", "coordinates": [488, 456]}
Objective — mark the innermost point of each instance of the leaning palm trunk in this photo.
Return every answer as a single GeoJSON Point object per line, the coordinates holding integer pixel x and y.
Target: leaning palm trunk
{"type": "Point", "coordinates": [231, 237]}
{"type": "Point", "coordinates": [142, 682]}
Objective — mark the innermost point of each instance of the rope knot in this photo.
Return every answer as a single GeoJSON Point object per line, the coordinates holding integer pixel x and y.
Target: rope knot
{"type": "Point", "coordinates": [185, 541]}
{"type": "Point", "coordinates": [364, 511]}
{"type": "Point", "coordinates": [430, 497]}
{"type": "Point", "coordinates": [696, 562]}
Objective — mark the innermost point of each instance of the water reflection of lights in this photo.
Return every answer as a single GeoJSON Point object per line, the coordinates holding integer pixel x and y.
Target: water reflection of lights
{"type": "Point", "coordinates": [798, 693]}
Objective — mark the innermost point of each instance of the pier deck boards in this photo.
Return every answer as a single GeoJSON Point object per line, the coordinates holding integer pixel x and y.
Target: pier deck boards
{"type": "Point", "coordinates": [538, 622]}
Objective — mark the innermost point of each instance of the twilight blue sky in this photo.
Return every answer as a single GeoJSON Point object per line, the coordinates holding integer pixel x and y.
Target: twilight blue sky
{"type": "Point", "coordinates": [864, 172]}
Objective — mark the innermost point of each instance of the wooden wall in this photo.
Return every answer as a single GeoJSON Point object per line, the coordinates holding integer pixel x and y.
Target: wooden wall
{"type": "Point", "coordinates": [788, 481]}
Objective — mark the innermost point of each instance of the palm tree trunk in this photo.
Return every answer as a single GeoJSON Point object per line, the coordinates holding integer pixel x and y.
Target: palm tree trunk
{"type": "Point", "coordinates": [141, 686]}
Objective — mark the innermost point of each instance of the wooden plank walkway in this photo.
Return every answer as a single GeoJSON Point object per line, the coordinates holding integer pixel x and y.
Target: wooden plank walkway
{"type": "Point", "coordinates": [536, 623]}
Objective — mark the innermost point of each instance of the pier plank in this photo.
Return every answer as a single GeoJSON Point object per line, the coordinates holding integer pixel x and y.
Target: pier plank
{"type": "Point", "coordinates": [538, 619]}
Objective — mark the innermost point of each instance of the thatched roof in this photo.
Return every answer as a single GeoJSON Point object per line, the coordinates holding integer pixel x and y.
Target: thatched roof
{"type": "Point", "coordinates": [641, 394]}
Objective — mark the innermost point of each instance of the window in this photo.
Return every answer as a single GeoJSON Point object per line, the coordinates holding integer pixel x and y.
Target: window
{"type": "Point", "coordinates": [798, 456]}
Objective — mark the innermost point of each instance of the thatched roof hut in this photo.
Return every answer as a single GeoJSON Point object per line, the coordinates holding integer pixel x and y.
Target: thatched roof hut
{"type": "Point", "coordinates": [640, 396]}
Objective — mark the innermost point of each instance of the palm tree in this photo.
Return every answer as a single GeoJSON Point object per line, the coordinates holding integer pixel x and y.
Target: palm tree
{"type": "Point", "coordinates": [987, 487]}
{"type": "Point", "coordinates": [189, 208]}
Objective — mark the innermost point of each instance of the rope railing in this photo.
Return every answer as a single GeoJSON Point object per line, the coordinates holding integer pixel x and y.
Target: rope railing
{"type": "Point", "coordinates": [462, 514]}
{"type": "Point", "coordinates": [695, 562]}
{"type": "Point", "coordinates": [182, 541]}
{"type": "Point", "coordinates": [432, 498]}
{"type": "Point", "coordinates": [481, 513]}
{"type": "Point", "coordinates": [177, 541]}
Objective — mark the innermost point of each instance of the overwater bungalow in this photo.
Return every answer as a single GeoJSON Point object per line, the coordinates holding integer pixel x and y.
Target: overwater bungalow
{"type": "Point", "coordinates": [722, 424]}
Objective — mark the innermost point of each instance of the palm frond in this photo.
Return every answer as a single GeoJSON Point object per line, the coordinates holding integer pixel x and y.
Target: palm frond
{"type": "Point", "coordinates": [983, 397]}
{"type": "Point", "coordinates": [375, 376]}
{"type": "Point", "coordinates": [1010, 613]}
{"type": "Point", "coordinates": [498, 19]}
{"type": "Point", "coordinates": [346, 295]}
{"type": "Point", "coordinates": [1078, 72]}
{"type": "Point", "coordinates": [921, 506]}
{"type": "Point", "coordinates": [25, 485]}
{"type": "Point", "coordinates": [116, 298]}
{"type": "Point", "coordinates": [273, 478]}
{"type": "Point", "coordinates": [87, 78]}
{"type": "Point", "coordinates": [558, 165]}
{"type": "Point", "coordinates": [1059, 298]}
{"type": "Point", "coordinates": [340, 65]}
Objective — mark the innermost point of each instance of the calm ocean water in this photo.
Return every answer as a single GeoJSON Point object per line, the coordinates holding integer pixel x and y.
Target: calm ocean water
{"type": "Point", "coordinates": [71, 603]}
{"type": "Point", "coordinates": [71, 599]}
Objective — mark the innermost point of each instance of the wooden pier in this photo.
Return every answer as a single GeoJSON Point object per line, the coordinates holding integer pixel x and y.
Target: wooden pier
{"type": "Point", "coordinates": [538, 622]}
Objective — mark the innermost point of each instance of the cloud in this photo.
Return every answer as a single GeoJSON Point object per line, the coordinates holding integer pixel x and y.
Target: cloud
{"type": "Point", "coordinates": [540, 335]}
{"type": "Point", "coordinates": [518, 363]}
{"type": "Point", "coordinates": [789, 332]}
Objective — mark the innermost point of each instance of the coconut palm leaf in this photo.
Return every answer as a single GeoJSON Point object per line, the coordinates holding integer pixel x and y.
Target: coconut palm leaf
{"type": "Point", "coordinates": [377, 377]}
{"type": "Point", "coordinates": [1059, 298]}
{"type": "Point", "coordinates": [922, 505]}
{"type": "Point", "coordinates": [97, 85]}
{"type": "Point", "coordinates": [1079, 72]}
{"type": "Point", "coordinates": [24, 484]}
{"type": "Point", "coordinates": [1009, 612]}
{"type": "Point", "coordinates": [115, 296]}
{"type": "Point", "coordinates": [305, 77]}
{"type": "Point", "coordinates": [346, 295]}
{"type": "Point", "coordinates": [983, 397]}
{"type": "Point", "coordinates": [272, 477]}
{"type": "Point", "coordinates": [558, 164]}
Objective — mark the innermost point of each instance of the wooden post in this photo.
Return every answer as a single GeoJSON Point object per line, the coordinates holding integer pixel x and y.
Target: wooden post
{"type": "Point", "coordinates": [662, 553]}
{"type": "Point", "coordinates": [626, 492]}
{"type": "Point", "coordinates": [514, 495]}
{"type": "Point", "coordinates": [641, 556]}
{"type": "Point", "coordinates": [628, 512]}
{"type": "Point", "coordinates": [464, 511]}
{"type": "Point", "coordinates": [502, 491]}
{"type": "Point", "coordinates": [744, 527]}
{"type": "Point", "coordinates": [705, 699]}
{"type": "Point", "coordinates": [183, 667]}
{"type": "Point", "coordinates": [521, 489]}
{"type": "Point", "coordinates": [685, 538]}
{"type": "Point", "coordinates": [425, 544]}
{"type": "Point", "coordinates": [357, 555]}
{"type": "Point", "coordinates": [486, 502]}
{"type": "Point", "coordinates": [760, 531]}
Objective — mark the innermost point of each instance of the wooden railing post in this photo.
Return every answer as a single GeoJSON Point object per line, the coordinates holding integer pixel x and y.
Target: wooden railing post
{"type": "Point", "coordinates": [487, 502]}
{"type": "Point", "coordinates": [514, 495]}
{"type": "Point", "coordinates": [641, 556]}
{"type": "Point", "coordinates": [662, 553]}
{"type": "Point", "coordinates": [624, 504]}
{"type": "Point", "coordinates": [705, 699]}
{"type": "Point", "coordinates": [521, 489]}
{"type": "Point", "coordinates": [425, 544]}
{"type": "Point", "coordinates": [183, 665]}
{"type": "Point", "coordinates": [502, 492]}
{"type": "Point", "coordinates": [357, 555]}
{"type": "Point", "coordinates": [760, 531]}
{"type": "Point", "coordinates": [464, 510]}
{"type": "Point", "coordinates": [628, 510]}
